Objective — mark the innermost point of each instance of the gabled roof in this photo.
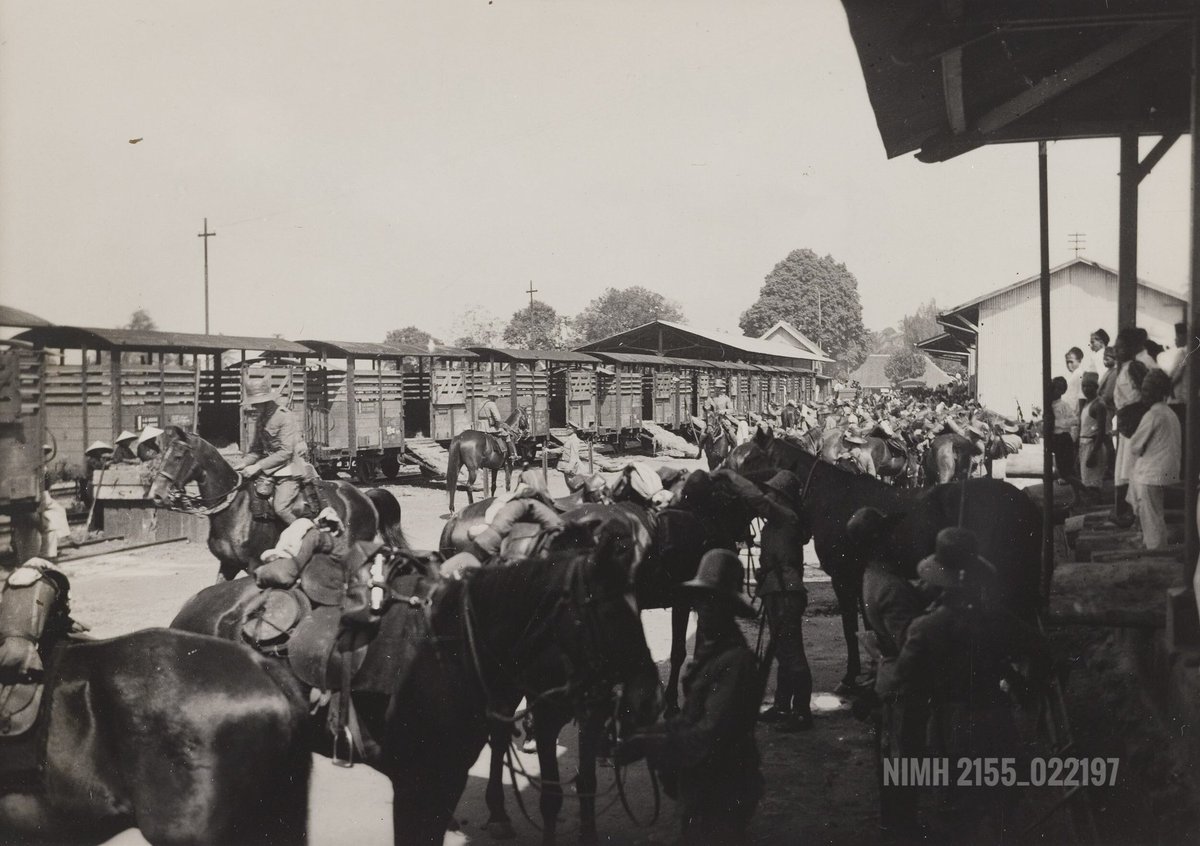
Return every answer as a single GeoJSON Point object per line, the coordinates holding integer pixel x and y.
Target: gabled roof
{"type": "Point", "coordinates": [870, 374]}
{"type": "Point", "coordinates": [804, 341]}
{"type": "Point", "coordinates": [732, 346]}
{"type": "Point", "coordinates": [1028, 280]}
{"type": "Point", "coordinates": [10, 316]}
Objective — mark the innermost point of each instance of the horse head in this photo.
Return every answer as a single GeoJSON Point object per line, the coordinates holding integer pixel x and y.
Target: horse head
{"type": "Point", "coordinates": [187, 458]}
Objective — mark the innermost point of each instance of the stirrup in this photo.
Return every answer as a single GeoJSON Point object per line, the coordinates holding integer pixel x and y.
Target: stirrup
{"type": "Point", "coordinates": [343, 736]}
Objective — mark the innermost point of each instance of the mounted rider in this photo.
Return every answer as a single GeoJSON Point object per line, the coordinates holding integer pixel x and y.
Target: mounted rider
{"type": "Point", "coordinates": [489, 412]}
{"type": "Point", "coordinates": [720, 405]}
{"type": "Point", "coordinates": [278, 455]}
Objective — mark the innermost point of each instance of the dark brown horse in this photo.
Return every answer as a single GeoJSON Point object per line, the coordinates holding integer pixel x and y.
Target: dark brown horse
{"type": "Point", "coordinates": [565, 623]}
{"type": "Point", "coordinates": [714, 442]}
{"type": "Point", "coordinates": [1003, 518]}
{"type": "Point", "coordinates": [235, 536]}
{"type": "Point", "coordinates": [194, 741]}
{"type": "Point", "coordinates": [473, 449]}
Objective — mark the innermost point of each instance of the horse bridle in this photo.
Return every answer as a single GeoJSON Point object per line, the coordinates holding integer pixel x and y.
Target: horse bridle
{"type": "Point", "coordinates": [180, 499]}
{"type": "Point", "coordinates": [587, 682]}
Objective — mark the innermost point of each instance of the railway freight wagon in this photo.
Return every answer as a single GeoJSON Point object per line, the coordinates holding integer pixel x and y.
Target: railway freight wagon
{"type": "Point", "coordinates": [619, 407]}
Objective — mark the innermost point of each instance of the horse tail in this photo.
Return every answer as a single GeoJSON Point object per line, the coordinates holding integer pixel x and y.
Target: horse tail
{"type": "Point", "coordinates": [453, 463]}
{"type": "Point", "coordinates": [388, 509]}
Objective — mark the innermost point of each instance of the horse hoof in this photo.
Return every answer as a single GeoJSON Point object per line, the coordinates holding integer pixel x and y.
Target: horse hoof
{"type": "Point", "coordinates": [848, 689]}
{"type": "Point", "coordinates": [501, 830]}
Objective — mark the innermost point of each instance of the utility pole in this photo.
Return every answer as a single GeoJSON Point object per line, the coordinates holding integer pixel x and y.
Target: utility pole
{"type": "Point", "coordinates": [206, 235]}
{"type": "Point", "coordinates": [820, 322]}
{"type": "Point", "coordinates": [1078, 241]}
{"type": "Point", "coordinates": [531, 291]}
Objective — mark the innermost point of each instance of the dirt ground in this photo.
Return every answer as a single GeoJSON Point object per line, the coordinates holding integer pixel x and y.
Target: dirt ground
{"type": "Point", "coordinates": [820, 784]}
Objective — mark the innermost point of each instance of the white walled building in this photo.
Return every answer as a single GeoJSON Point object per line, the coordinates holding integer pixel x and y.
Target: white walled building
{"type": "Point", "coordinates": [998, 334]}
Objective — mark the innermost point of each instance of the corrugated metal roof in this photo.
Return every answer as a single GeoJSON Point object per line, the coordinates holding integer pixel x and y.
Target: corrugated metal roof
{"type": "Point", "coordinates": [627, 358]}
{"type": "Point", "coordinates": [443, 351]}
{"type": "Point", "coordinates": [10, 316]}
{"type": "Point", "coordinates": [359, 349]}
{"type": "Point", "coordinates": [141, 340]}
{"type": "Point", "coordinates": [737, 344]}
{"type": "Point", "coordinates": [511, 354]}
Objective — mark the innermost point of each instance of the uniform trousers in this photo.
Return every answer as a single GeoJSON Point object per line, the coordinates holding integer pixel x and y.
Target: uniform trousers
{"type": "Point", "coordinates": [793, 682]}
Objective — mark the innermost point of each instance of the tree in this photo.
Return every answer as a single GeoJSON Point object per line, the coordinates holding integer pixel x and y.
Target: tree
{"type": "Point", "coordinates": [142, 320]}
{"type": "Point", "coordinates": [410, 336]}
{"type": "Point", "coordinates": [478, 328]}
{"type": "Point", "coordinates": [615, 311]}
{"type": "Point", "coordinates": [790, 293]}
{"type": "Point", "coordinates": [906, 364]}
{"type": "Point", "coordinates": [920, 325]}
{"type": "Point", "coordinates": [541, 330]}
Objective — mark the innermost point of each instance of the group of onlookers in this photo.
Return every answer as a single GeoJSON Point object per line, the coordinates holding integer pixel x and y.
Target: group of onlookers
{"type": "Point", "coordinates": [1119, 414]}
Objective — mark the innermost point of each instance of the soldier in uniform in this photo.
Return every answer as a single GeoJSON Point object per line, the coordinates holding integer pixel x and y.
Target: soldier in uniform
{"type": "Point", "coordinates": [278, 451]}
{"type": "Point", "coordinates": [707, 753]}
{"type": "Point", "coordinates": [854, 448]}
{"type": "Point", "coordinates": [721, 404]}
{"type": "Point", "coordinates": [890, 604]}
{"type": "Point", "coordinates": [960, 656]}
{"type": "Point", "coordinates": [490, 414]}
{"type": "Point", "coordinates": [790, 418]}
{"type": "Point", "coordinates": [781, 587]}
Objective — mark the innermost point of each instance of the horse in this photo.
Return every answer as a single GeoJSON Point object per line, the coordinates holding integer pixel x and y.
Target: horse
{"type": "Point", "coordinates": [827, 444]}
{"type": "Point", "coordinates": [474, 449]}
{"type": "Point", "coordinates": [949, 457]}
{"type": "Point", "coordinates": [1004, 519]}
{"type": "Point", "coordinates": [190, 739]}
{"type": "Point", "coordinates": [235, 536]}
{"type": "Point", "coordinates": [664, 549]}
{"type": "Point", "coordinates": [564, 623]}
{"type": "Point", "coordinates": [714, 441]}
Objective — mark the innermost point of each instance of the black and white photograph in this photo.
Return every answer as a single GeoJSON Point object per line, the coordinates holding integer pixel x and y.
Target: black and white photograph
{"type": "Point", "coordinates": [648, 424]}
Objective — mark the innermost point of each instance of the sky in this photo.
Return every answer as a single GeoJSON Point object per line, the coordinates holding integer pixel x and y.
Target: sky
{"type": "Point", "coordinates": [374, 165]}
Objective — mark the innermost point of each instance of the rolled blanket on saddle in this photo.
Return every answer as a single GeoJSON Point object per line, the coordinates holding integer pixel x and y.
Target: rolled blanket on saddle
{"type": "Point", "coordinates": [27, 598]}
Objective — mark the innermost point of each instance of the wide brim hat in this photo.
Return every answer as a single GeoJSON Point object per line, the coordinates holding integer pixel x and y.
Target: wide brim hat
{"type": "Point", "coordinates": [955, 563]}
{"type": "Point", "coordinates": [1010, 427]}
{"type": "Point", "coordinates": [978, 427]}
{"type": "Point", "coordinates": [719, 383]}
{"type": "Point", "coordinates": [720, 575]}
{"type": "Point", "coordinates": [150, 433]}
{"type": "Point", "coordinates": [97, 447]}
{"type": "Point", "coordinates": [492, 391]}
{"type": "Point", "coordinates": [259, 391]}
{"type": "Point", "coordinates": [853, 439]}
{"type": "Point", "coordinates": [125, 435]}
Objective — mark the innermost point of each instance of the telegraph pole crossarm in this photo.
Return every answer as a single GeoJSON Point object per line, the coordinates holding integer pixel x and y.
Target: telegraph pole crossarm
{"type": "Point", "coordinates": [206, 235]}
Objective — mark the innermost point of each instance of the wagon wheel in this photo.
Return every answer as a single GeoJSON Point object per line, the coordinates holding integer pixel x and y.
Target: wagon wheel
{"type": "Point", "coordinates": [390, 466]}
{"type": "Point", "coordinates": [365, 470]}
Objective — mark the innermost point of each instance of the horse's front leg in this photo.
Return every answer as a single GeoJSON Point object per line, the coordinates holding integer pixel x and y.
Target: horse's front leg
{"type": "Point", "coordinates": [680, 613]}
{"type": "Point", "coordinates": [546, 726]}
{"type": "Point", "coordinates": [847, 592]}
{"type": "Point", "coordinates": [423, 802]}
{"type": "Point", "coordinates": [499, 826]}
{"type": "Point", "coordinates": [591, 726]}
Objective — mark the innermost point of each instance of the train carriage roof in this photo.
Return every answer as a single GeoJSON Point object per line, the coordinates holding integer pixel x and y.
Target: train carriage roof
{"type": "Point", "coordinates": [533, 356]}
{"type": "Point", "coordinates": [360, 349]}
{"type": "Point", "coordinates": [144, 340]}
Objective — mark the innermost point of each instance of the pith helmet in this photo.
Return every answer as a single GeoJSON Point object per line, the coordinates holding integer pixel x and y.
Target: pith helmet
{"type": "Point", "coordinates": [720, 575]}
{"type": "Point", "coordinates": [259, 391]}
{"type": "Point", "coordinates": [955, 562]}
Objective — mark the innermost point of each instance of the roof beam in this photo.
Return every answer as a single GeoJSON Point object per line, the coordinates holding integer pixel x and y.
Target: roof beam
{"type": "Point", "coordinates": [952, 78]}
{"type": "Point", "coordinates": [1084, 69]}
{"type": "Point", "coordinates": [968, 324]}
{"type": "Point", "coordinates": [1155, 155]}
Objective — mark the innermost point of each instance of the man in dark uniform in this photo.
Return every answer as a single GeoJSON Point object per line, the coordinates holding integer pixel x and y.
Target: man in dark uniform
{"type": "Point", "coordinates": [790, 416]}
{"type": "Point", "coordinates": [890, 604]}
{"type": "Point", "coordinates": [708, 749]}
{"type": "Point", "coordinates": [781, 588]}
{"type": "Point", "coordinates": [960, 657]}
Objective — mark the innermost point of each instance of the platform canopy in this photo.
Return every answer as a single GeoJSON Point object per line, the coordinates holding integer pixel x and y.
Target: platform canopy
{"type": "Point", "coordinates": [677, 340]}
{"type": "Point", "coordinates": [533, 356]}
{"type": "Point", "coordinates": [362, 349]}
{"type": "Point", "coordinates": [948, 76]}
{"type": "Point", "coordinates": [10, 316]}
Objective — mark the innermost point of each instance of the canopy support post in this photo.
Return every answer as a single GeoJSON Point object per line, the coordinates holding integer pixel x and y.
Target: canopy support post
{"type": "Point", "coordinates": [1128, 229]}
{"type": "Point", "coordinates": [1047, 398]}
{"type": "Point", "coordinates": [1191, 434]}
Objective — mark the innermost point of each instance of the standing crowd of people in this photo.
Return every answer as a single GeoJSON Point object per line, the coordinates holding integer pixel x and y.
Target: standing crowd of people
{"type": "Point", "coordinates": [1118, 414]}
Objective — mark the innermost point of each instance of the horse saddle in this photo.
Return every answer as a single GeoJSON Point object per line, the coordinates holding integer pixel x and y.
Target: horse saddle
{"type": "Point", "coordinates": [20, 704]}
{"type": "Point", "coordinates": [314, 654]}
